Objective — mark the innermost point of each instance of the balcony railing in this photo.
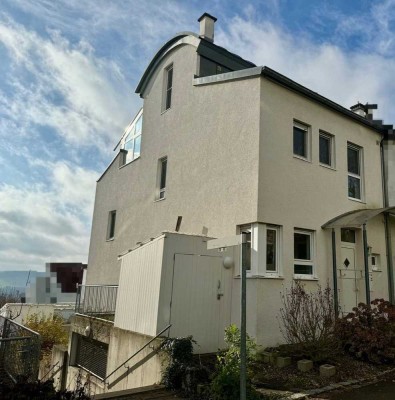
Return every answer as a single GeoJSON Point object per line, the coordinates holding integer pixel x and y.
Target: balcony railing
{"type": "Point", "coordinates": [99, 300]}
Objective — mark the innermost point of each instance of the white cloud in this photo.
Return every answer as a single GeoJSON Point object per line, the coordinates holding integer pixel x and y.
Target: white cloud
{"type": "Point", "coordinates": [84, 98]}
{"type": "Point", "coordinates": [40, 224]}
{"type": "Point", "coordinates": [345, 77]}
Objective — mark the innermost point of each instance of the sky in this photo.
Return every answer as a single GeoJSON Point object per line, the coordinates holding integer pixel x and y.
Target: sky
{"type": "Point", "coordinates": [69, 69]}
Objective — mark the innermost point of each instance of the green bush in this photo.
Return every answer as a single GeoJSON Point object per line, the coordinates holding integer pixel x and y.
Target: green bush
{"type": "Point", "coordinates": [181, 372]}
{"type": "Point", "coordinates": [226, 381]}
{"type": "Point", "coordinates": [368, 333]}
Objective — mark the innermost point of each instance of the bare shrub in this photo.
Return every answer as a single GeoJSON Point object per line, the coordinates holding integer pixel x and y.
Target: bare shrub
{"type": "Point", "coordinates": [308, 322]}
{"type": "Point", "coordinates": [9, 295]}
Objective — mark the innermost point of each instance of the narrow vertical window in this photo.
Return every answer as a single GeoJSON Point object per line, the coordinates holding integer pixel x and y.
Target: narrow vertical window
{"type": "Point", "coordinates": [301, 140]}
{"type": "Point", "coordinates": [246, 247]}
{"type": "Point", "coordinates": [132, 140]}
{"type": "Point", "coordinates": [271, 250]}
{"type": "Point", "coordinates": [162, 172]}
{"type": "Point", "coordinates": [326, 149]}
{"type": "Point", "coordinates": [354, 158]}
{"type": "Point", "coordinates": [111, 225]}
{"type": "Point", "coordinates": [168, 86]}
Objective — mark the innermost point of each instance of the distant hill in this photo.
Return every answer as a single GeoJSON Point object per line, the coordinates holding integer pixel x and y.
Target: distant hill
{"type": "Point", "coordinates": [17, 279]}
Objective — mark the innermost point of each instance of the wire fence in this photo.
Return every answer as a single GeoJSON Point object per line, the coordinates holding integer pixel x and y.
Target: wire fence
{"type": "Point", "coordinates": [19, 351]}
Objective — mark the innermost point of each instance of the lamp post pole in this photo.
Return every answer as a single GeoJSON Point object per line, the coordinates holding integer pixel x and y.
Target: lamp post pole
{"type": "Point", "coordinates": [243, 327]}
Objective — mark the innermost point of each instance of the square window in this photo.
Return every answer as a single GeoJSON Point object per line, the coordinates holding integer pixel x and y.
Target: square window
{"type": "Point", "coordinates": [301, 140]}
{"type": "Point", "coordinates": [347, 235]}
{"type": "Point", "coordinates": [354, 167]}
{"type": "Point", "coordinates": [326, 152]}
{"type": "Point", "coordinates": [303, 253]}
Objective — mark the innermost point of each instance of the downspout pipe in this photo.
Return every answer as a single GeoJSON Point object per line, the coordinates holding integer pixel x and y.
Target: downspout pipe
{"type": "Point", "coordinates": [366, 262]}
{"type": "Point", "coordinates": [334, 265]}
{"type": "Point", "coordinates": [388, 239]}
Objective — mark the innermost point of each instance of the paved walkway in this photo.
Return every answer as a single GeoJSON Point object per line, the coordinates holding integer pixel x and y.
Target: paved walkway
{"type": "Point", "coordinates": [377, 391]}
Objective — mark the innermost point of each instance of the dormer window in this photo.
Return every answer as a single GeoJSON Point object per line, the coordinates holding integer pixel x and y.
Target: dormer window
{"type": "Point", "coordinates": [132, 139]}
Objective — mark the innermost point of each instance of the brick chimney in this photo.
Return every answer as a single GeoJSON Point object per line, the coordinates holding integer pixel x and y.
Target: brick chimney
{"type": "Point", "coordinates": [207, 22]}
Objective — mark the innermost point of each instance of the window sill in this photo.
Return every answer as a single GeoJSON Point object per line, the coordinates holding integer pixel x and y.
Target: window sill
{"type": "Point", "coordinates": [165, 111]}
{"type": "Point", "coordinates": [302, 158]}
{"type": "Point", "coordinates": [261, 277]}
{"type": "Point", "coordinates": [357, 200]}
{"type": "Point", "coordinates": [328, 167]}
{"type": "Point", "coordinates": [305, 278]}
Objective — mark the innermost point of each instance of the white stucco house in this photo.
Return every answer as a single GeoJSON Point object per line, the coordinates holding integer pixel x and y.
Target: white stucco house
{"type": "Point", "coordinates": [223, 147]}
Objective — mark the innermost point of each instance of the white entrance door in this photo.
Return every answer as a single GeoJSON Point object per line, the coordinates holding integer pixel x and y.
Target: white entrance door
{"type": "Point", "coordinates": [201, 298]}
{"type": "Point", "coordinates": [349, 278]}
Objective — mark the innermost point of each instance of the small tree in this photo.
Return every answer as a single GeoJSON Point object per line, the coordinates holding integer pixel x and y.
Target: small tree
{"type": "Point", "coordinates": [308, 322]}
{"type": "Point", "coordinates": [51, 329]}
{"type": "Point", "coordinates": [226, 382]}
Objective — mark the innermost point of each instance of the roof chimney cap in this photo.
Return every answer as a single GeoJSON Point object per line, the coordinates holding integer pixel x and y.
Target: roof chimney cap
{"type": "Point", "coordinates": [364, 110]}
{"type": "Point", "coordinates": [207, 27]}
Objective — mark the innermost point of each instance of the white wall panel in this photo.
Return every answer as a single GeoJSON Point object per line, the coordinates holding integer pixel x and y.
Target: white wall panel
{"type": "Point", "coordinates": [139, 289]}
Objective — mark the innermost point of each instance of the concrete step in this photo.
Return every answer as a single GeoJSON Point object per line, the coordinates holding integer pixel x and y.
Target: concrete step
{"type": "Point", "coordinates": [143, 393]}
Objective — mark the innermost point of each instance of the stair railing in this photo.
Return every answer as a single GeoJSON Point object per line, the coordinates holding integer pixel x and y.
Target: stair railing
{"type": "Point", "coordinates": [124, 364]}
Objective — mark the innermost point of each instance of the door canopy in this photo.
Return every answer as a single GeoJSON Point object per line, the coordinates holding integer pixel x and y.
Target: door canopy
{"type": "Point", "coordinates": [356, 218]}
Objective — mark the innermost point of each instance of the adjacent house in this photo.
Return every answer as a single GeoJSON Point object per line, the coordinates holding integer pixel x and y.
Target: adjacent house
{"type": "Point", "coordinates": [58, 285]}
{"type": "Point", "coordinates": [223, 147]}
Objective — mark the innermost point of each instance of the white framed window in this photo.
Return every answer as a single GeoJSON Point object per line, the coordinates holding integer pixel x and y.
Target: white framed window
{"type": "Point", "coordinates": [167, 87]}
{"type": "Point", "coordinates": [327, 149]}
{"type": "Point", "coordinates": [272, 255]}
{"type": "Point", "coordinates": [262, 251]}
{"type": "Point", "coordinates": [112, 216]}
{"type": "Point", "coordinates": [301, 140]}
{"type": "Point", "coordinates": [246, 248]}
{"type": "Point", "coordinates": [348, 235]}
{"type": "Point", "coordinates": [132, 139]}
{"type": "Point", "coordinates": [303, 253]}
{"type": "Point", "coordinates": [355, 171]}
{"type": "Point", "coordinates": [375, 262]}
{"type": "Point", "coordinates": [161, 180]}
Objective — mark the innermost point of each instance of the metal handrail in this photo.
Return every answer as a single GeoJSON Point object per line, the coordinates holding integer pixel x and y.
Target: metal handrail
{"type": "Point", "coordinates": [52, 368]}
{"type": "Point", "coordinates": [137, 352]}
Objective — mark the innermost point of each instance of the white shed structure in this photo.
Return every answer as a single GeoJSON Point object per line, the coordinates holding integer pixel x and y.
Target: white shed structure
{"type": "Point", "coordinates": [173, 279]}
